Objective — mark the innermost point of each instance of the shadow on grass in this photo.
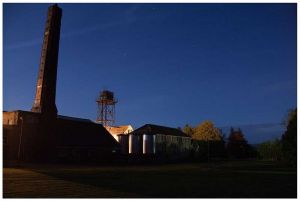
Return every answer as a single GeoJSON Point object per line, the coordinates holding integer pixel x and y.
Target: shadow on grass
{"type": "Point", "coordinates": [249, 179]}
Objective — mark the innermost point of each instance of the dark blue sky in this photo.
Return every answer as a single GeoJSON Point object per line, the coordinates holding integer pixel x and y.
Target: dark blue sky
{"type": "Point", "coordinates": [168, 64]}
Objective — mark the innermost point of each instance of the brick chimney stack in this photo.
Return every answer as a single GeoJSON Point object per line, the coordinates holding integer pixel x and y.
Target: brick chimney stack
{"type": "Point", "coordinates": [44, 101]}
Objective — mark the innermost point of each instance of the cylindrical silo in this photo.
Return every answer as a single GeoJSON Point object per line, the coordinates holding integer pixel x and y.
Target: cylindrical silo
{"type": "Point", "coordinates": [148, 144]}
{"type": "Point", "coordinates": [133, 144]}
{"type": "Point", "coordinates": [123, 139]}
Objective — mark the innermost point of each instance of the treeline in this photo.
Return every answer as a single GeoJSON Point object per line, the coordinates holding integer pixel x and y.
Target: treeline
{"type": "Point", "coordinates": [210, 142]}
{"type": "Point", "coordinates": [285, 148]}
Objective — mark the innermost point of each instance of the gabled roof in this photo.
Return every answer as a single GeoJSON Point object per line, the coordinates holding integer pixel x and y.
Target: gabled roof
{"type": "Point", "coordinates": [152, 129]}
{"type": "Point", "coordinates": [114, 130]}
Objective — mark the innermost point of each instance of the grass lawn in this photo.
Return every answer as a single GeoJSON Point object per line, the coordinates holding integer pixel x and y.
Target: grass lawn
{"type": "Point", "coordinates": [240, 179]}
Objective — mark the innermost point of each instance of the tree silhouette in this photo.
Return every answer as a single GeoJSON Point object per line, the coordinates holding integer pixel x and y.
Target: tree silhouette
{"type": "Point", "coordinates": [237, 145]}
{"type": "Point", "coordinates": [289, 139]}
{"type": "Point", "coordinates": [270, 150]}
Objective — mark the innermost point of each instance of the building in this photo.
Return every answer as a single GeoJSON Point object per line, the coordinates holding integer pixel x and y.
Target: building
{"type": "Point", "coordinates": [43, 136]}
{"type": "Point", "coordinates": [157, 140]}
{"type": "Point", "coordinates": [117, 130]}
{"type": "Point", "coordinates": [25, 138]}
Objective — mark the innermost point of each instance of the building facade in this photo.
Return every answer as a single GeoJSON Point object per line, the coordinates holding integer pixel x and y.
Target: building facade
{"type": "Point", "coordinates": [27, 138]}
{"type": "Point", "coordinates": [157, 140]}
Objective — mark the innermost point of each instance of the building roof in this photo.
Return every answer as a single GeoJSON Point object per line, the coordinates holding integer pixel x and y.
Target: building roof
{"type": "Point", "coordinates": [58, 116]}
{"type": "Point", "coordinates": [114, 130]}
{"type": "Point", "coordinates": [74, 118]}
{"type": "Point", "coordinates": [79, 132]}
{"type": "Point", "coordinates": [20, 111]}
{"type": "Point", "coordinates": [152, 129]}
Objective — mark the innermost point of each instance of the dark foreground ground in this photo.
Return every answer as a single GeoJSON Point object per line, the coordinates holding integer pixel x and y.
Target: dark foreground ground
{"type": "Point", "coordinates": [247, 179]}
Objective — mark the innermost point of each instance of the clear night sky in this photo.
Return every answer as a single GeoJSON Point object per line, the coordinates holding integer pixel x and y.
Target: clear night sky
{"type": "Point", "coordinates": [168, 64]}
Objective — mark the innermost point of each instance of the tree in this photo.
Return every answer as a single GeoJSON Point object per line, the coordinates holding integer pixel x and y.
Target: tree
{"type": "Point", "coordinates": [289, 139]}
{"type": "Point", "coordinates": [207, 132]}
{"type": "Point", "coordinates": [210, 140]}
{"type": "Point", "coordinates": [270, 150]}
{"type": "Point", "coordinates": [187, 129]}
{"type": "Point", "coordinates": [237, 145]}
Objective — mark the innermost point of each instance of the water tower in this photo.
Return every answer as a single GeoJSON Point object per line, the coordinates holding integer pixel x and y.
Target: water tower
{"type": "Point", "coordinates": [106, 108]}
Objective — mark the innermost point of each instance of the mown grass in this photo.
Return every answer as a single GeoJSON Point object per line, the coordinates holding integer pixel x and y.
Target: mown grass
{"type": "Point", "coordinates": [240, 179]}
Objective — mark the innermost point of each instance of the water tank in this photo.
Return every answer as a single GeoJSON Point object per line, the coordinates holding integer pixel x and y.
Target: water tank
{"type": "Point", "coordinates": [148, 144]}
{"type": "Point", "coordinates": [107, 95]}
{"type": "Point", "coordinates": [134, 146]}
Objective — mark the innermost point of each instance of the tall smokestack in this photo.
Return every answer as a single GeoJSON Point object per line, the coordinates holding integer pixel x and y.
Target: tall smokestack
{"type": "Point", "coordinates": [44, 101]}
